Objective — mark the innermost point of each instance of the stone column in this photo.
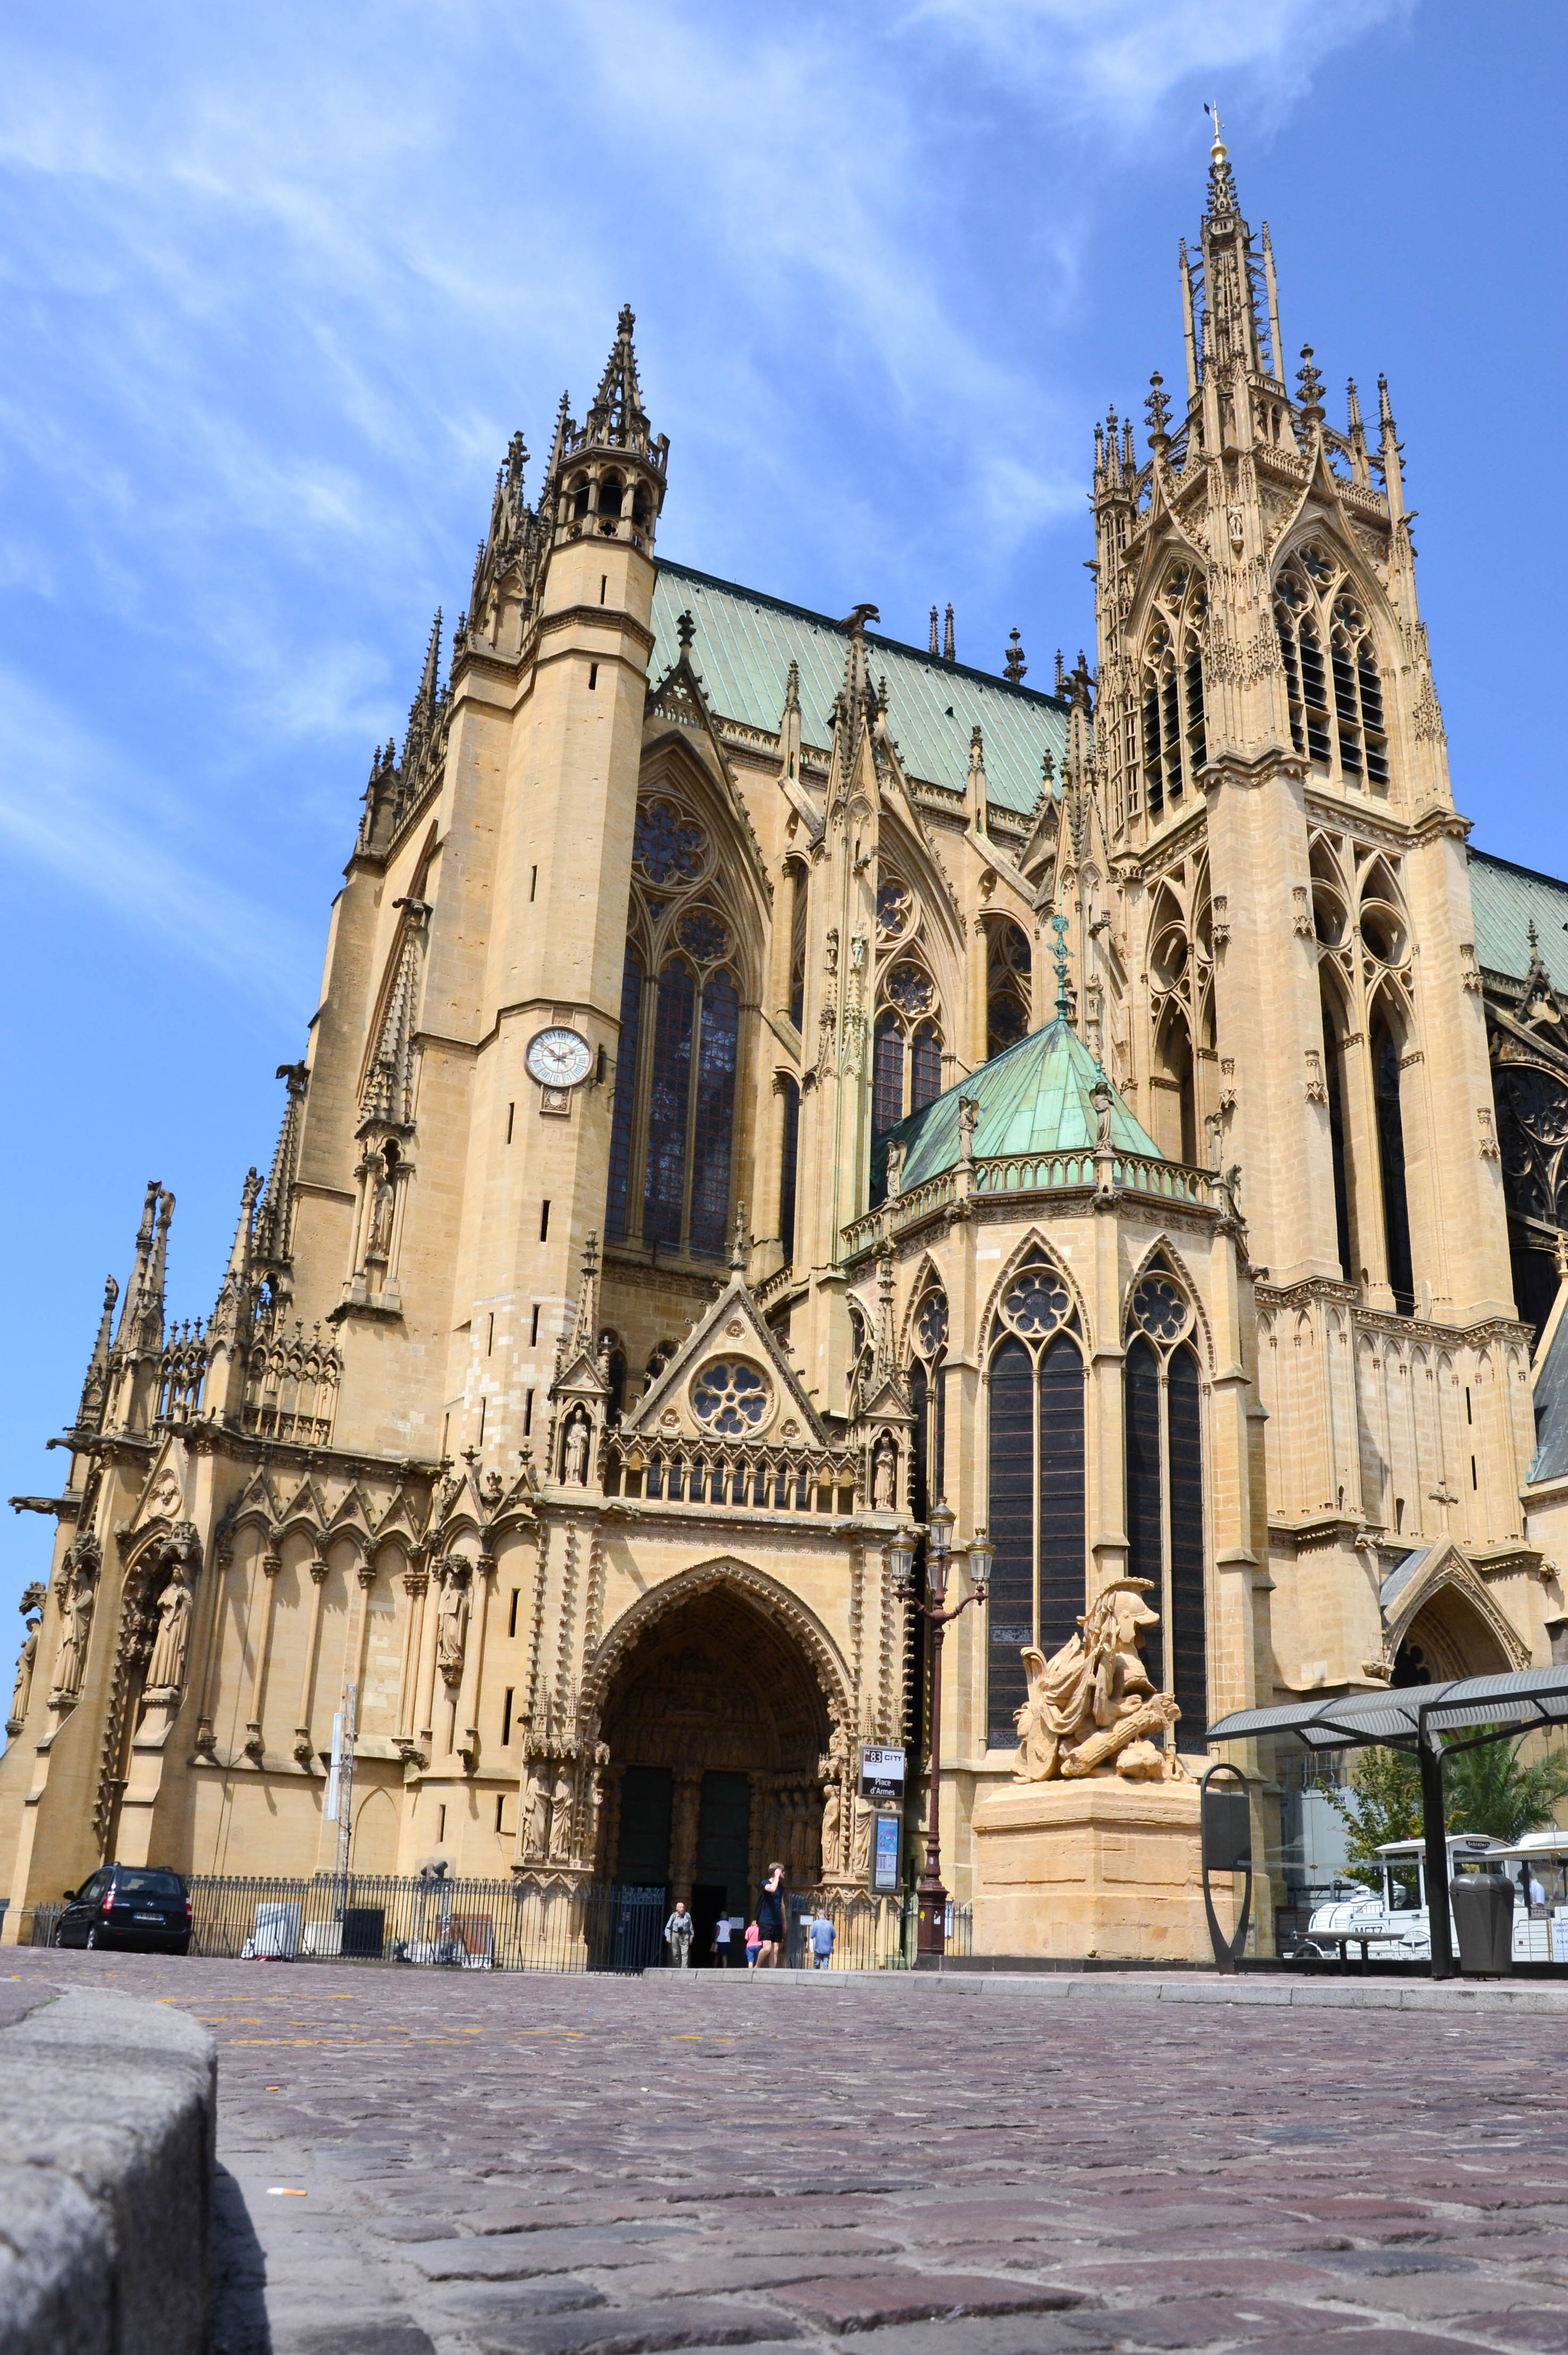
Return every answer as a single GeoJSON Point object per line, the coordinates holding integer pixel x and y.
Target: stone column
{"type": "Point", "coordinates": [271, 1563]}
{"type": "Point", "coordinates": [683, 1832]}
{"type": "Point", "coordinates": [302, 1749]}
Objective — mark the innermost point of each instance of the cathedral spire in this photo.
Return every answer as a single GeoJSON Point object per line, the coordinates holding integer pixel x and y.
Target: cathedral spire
{"type": "Point", "coordinates": [95, 1382]}
{"type": "Point", "coordinates": [1223, 204]}
{"type": "Point", "coordinates": [617, 415]}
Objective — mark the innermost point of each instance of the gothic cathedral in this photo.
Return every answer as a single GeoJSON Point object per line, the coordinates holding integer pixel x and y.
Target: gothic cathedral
{"type": "Point", "coordinates": [770, 1082]}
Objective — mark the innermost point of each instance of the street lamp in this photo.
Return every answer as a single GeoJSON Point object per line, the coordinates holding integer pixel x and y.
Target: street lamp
{"type": "Point", "coordinates": [933, 1897]}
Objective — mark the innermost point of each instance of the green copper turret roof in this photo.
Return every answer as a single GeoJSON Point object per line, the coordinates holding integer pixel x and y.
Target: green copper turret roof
{"type": "Point", "coordinates": [1034, 1097]}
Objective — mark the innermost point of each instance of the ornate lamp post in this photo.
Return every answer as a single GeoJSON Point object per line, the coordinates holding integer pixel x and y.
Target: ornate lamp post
{"type": "Point", "coordinates": [933, 1897]}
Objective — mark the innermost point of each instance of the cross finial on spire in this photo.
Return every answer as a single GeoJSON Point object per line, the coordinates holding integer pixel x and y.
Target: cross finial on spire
{"type": "Point", "coordinates": [1222, 187]}
{"type": "Point", "coordinates": [685, 629]}
{"type": "Point", "coordinates": [1014, 663]}
{"type": "Point", "coordinates": [1157, 409]}
{"type": "Point", "coordinates": [1311, 387]}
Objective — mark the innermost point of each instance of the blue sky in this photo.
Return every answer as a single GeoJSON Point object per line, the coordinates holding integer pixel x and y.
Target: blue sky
{"type": "Point", "coordinates": [278, 285]}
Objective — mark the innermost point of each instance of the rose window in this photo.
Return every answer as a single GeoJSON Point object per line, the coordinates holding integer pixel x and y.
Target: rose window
{"type": "Point", "coordinates": [702, 934]}
{"type": "Point", "coordinates": [931, 1323]}
{"type": "Point", "coordinates": [909, 988]}
{"type": "Point", "coordinates": [892, 904]}
{"type": "Point", "coordinates": [665, 844]}
{"type": "Point", "coordinates": [730, 1396]}
{"type": "Point", "coordinates": [1038, 1301]}
{"type": "Point", "coordinates": [1160, 1308]}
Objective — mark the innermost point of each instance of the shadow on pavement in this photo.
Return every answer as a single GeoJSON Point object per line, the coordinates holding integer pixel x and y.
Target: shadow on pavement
{"type": "Point", "coordinates": [240, 2325]}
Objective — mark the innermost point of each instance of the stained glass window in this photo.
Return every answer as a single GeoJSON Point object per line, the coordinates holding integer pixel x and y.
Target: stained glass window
{"type": "Point", "coordinates": [887, 1074]}
{"type": "Point", "coordinates": [666, 843]}
{"type": "Point", "coordinates": [664, 1188]}
{"type": "Point", "coordinates": [730, 1396]}
{"type": "Point", "coordinates": [925, 1068]}
{"type": "Point", "coordinates": [892, 908]}
{"type": "Point", "coordinates": [716, 1117]}
{"type": "Point", "coordinates": [702, 934]}
{"type": "Point", "coordinates": [791, 1148]}
{"type": "Point", "coordinates": [908, 987]}
{"type": "Point", "coordinates": [625, 1094]}
{"type": "Point", "coordinates": [1036, 1502]}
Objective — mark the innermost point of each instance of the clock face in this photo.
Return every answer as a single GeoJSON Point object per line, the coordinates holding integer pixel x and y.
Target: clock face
{"type": "Point", "coordinates": [559, 1057]}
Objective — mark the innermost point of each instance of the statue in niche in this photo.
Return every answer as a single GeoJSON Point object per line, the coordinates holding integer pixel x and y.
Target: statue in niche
{"type": "Point", "coordinates": [380, 1241]}
{"type": "Point", "coordinates": [78, 1594]}
{"type": "Point", "coordinates": [451, 1624]}
{"type": "Point", "coordinates": [831, 1767]}
{"type": "Point", "coordinates": [1092, 1709]}
{"type": "Point", "coordinates": [576, 1451]}
{"type": "Point", "coordinates": [535, 1817]}
{"type": "Point", "coordinates": [859, 1859]}
{"type": "Point", "coordinates": [883, 1474]}
{"type": "Point", "coordinates": [166, 1670]}
{"type": "Point", "coordinates": [33, 1600]}
{"type": "Point", "coordinates": [561, 1819]}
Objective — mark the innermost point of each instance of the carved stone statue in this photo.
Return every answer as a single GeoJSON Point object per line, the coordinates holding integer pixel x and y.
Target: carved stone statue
{"type": "Point", "coordinates": [535, 1817]}
{"type": "Point", "coordinates": [1091, 1707]}
{"type": "Point", "coordinates": [894, 1169]}
{"type": "Point", "coordinates": [166, 1670]}
{"type": "Point", "coordinates": [831, 1767]}
{"type": "Point", "coordinates": [968, 1121]}
{"type": "Point", "coordinates": [860, 1856]}
{"type": "Point", "coordinates": [33, 1600]}
{"type": "Point", "coordinates": [883, 1474]}
{"type": "Point", "coordinates": [578, 1451]}
{"type": "Point", "coordinates": [451, 1624]}
{"type": "Point", "coordinates": [381, 1201]}
{"type": "Point", "coordinates": [79, 1593]}
{"type": "Point", "coordinates": [561, 1819]}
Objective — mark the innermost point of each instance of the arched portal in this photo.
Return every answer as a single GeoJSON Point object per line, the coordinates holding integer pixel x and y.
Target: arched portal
{"type": "Point", "coordinates": [1449, 1639]}
{"type": "Point", "coordinates": [716, 1718]}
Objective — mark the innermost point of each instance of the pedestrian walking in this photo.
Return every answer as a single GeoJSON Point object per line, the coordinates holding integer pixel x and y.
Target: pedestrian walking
{"type": "Point", "coordinates": [753, 1945]}
{"type": "Point", "coordinates": [721, 1943]}
{"type": "Point", "coordinates": [821, 1937]}
{"type": "Point", "coordinates": [771, 1916]}
{"type": "Point", "coordinates": [678, 1932]}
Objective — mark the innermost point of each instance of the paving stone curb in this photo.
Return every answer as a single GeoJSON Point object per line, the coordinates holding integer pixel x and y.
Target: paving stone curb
{"type": "Point", "coordinates": [106, 2180]}
{"type": "Point", "coordinates": [1462, 1996]}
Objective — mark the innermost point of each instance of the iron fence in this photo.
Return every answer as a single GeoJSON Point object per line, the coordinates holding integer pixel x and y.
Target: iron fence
{"type": "Point", "coordinates": [527, 1924]}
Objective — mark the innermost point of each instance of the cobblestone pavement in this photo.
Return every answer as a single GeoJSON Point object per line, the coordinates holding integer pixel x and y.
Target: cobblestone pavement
{"type": "Point", "coordinates": [532, 2166]}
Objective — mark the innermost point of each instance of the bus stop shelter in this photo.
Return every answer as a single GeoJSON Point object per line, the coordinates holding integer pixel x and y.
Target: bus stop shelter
{"type": "Point", "coordinates": [1432, 1721]}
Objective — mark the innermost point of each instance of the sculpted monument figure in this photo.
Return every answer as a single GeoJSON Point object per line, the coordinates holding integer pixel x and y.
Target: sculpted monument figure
{"type": "Point", "coordinates": [451, 1626]}
{"type": "Point", "coordinates": [32, 1601]}
{"type": "Point", "coordinates": [578, 1451]}
{"type": "Point", "coordinates": [1091, 1707]}
{"type": "Point", "coordinates": [78, 1596]}
{"type": "Point", "coordinates": [883, 1474]}
{"type": "Point", "coordinates": [166, 1670]}
{"type": "Point", "coordinates": [561, 1819]}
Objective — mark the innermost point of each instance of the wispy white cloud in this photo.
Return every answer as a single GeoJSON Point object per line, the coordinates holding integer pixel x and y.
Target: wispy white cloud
{"type": "Point", "coordinates": [78, 806]}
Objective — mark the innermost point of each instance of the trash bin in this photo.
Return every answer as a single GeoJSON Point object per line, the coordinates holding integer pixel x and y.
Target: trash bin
{"type": "Point", "coordinates": [1483, 1917]}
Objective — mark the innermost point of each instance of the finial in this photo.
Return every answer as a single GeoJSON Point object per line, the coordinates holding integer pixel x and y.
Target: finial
{"type": "Point", "coordinates": [1222, 187]}
{"type": "Point", "coordinates": [1061, 674]}
{"type": "Point", "coordinates": [1310, 385]}
{"type": "Point", "coordinates": [685, 629]}
{"type": "Point", "coordinates": [1013, 662]}
{"type": "Point", "coordinates": [1352, 406]}
{"type": "Point", "coordinates": [1385, 413]}
{"type": "Point", "coordinates": [1059, 957]}
{"type": "Point", "coordinates": [1157, 411]}
{"type": "Point", "coordinates": [627, 320]}
{"type": "Point", "coordinates": [935, 647]}
{"type": "Point", "coordinates": [949, 650]}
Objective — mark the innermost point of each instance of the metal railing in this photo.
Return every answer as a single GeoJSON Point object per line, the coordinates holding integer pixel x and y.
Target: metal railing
{"type": "Point", "coordinates": [545, 1922]}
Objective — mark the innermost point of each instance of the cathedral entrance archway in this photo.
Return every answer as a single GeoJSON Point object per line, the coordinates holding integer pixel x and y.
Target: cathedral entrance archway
{"type": "Point", "coordinates": [1449, 1639]}
{"type": "Point", "coordinates": [716, 1718]}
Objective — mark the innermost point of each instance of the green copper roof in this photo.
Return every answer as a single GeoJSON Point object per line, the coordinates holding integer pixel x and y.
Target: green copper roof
{"type": "Point", "coordinates": [1034, 1097]}
{"type": "Point", "coordinates": [1508, 899]}
{"type": "Point", "coordinates": [746, 643]}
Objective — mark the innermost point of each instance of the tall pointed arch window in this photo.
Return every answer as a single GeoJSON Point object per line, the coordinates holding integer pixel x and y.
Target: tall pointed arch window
{"type": "Point", "coordinates": [1332, 683]}
{"type": "Point", "coordinates": [677, 1064]}
{"type": "Point", "coordinates": [1008, 965]}
{"type": "Point", "coordinates": [1035, 1385]}
{"type": "Point", "coordinates": [788, 1157]}
{"type": "Point", "coordinates": [907, 1045]}
{"type": "Point", "coordinates": [1385, 1065]}
{"type": "Point", "coordinates": [1175, 726]}
{"type": "Point", "coordinates": [1167, 1542]}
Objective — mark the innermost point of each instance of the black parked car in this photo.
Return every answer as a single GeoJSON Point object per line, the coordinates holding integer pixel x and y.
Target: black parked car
{"type": "Point", "coordinates": [128, 1905]}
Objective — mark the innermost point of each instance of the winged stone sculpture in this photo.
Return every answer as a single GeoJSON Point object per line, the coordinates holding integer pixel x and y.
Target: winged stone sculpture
{"type": "Point", "coordinates": [1091, 1707]}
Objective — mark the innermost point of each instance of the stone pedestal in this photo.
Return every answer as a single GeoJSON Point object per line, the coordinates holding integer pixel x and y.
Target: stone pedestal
{"type": "Point", "coordinates": [1097, 1868]}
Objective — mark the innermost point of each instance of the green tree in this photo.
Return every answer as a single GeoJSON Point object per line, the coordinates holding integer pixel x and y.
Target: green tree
{"type": "Point", "coordinates": [1484, 1790]}
{"type": "Point", "coordinates": [1489, 1791]}
{"type": "Point", "coordinates": [1381, 1802]}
